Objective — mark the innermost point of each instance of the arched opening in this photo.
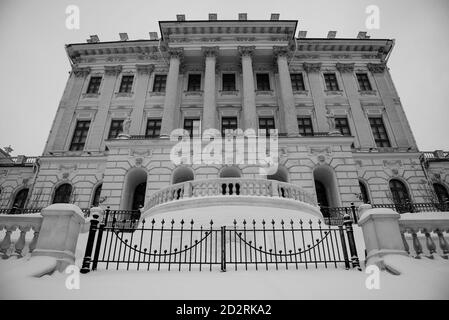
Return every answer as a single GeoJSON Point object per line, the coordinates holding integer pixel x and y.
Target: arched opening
{"type": "Point", "coordinates": [182, 174]}
{"type": "Point", "coordinates": [326, 188]}
{"type": "Point", "coordinates": [401, 197]}
{"type": "Point", "coordinates": [96, 198]}
{"type": "Point", "coordinates": [230, 172]}
{"type": "Point", "coordinates": [63, 193]}
{"type": "Point", "coordinates": [441, 192]}
{"type": "Point", "coordinates": [134, 189]}
{"type": "Point", "coordinates": [280, 175]}
{"type": "Point", "coordinates": [20, 199]}
{"type": "Point", "coordinates": [364, 192]}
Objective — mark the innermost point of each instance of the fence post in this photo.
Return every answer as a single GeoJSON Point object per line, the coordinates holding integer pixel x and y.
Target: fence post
{"type": "Point", "coordinates": [98, 213]}
{"type": "Point", "coordinates": [223, 249]}
{"type": "Point", "coordinates": [89, 246]}
{"type": "Point", "coordinates": [347, 222]}
{"type": "Point", "coordinates": [354, 213]}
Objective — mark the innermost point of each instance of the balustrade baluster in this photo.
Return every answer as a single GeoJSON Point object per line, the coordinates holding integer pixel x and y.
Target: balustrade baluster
{"type": "Point", "coordinates": [416, 245]}
{"type": "Point", "coordinates": [443, 243]}
{"type": "Point", "coordinates": [6, 243]}
{"type": "Point", "coordinates": [20, 244]}
{"type": "Point", "coordinates": [404, 241]}
{"type": "Point", "coordinates": [33, 242]}
{"type": "Point", "coordinates": [430, 244]}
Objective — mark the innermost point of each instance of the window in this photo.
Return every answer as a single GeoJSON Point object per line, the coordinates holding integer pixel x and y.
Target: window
{"type": "Point", "coordinates": [160, 82]}
{"type": "Point", "coordinates": [80, 135]}
{"type": "Point", "coordinates": [194, 82]}
{"type": "Point", "coordinates": [297, 82]}
{"type": "Point", "coordinates": [228, 82]}
{"type": "Point", "coordinates": [441, 192]}
{"type": "Point", "coordinates": [193, 126]}
{"type": "Point", "coordinates": [94, 85]}
{"type": "Point", "coordinates": [228, 123]}
{"type": "Point", "coordinates": [96, 199]}
{"type": "Point", "coordinates": [305, 126]}
{"type": "Point", "coordinates": [331, 82]}
{"type": "Point", "coordinates": [363, 192]}
{"type": "Point", "coordinates": [364, 83]}
{"type": "Point", "coordinates": [127, 84]}
{"type": "Point", "coordinates": [115, 129]}
{"type": "Point", "coordinates": [342, 125]}
{"type": "Point", "coordinates": [20, 199]}
{"type": "Point", "coordinates": [263, 81]}
{"type": "Point", "coordinates": [399, 192]}
{"type": "Point", "coordinates": [153, 128]}
{"type": "Point", "coordinates": [379, 132]}
{"type": "Point", "coordinates": [63, 193]}
{"type": "Point", "coordinates": [266, 124]}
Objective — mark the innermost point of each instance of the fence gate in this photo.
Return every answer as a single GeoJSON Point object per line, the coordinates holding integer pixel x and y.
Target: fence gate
{"type": "Point", "coordinates": [182, 246]}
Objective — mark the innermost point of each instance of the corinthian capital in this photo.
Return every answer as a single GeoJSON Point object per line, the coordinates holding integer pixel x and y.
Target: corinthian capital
{"type": "Point", "coordinates": [144, 68]}
{"type": "Point", "coordinates": [376, 67]}
{"type": "Point", "coordinates": [112, 70]}
{"type": "Point", "coordinates": [246, 50]}
{"type": "Point", "coordinates": [210, 51]}
{"type": "Point", "coordinates": [176, 53]}
{"type": "Point", "coordinates": [281, 51]}
{"type": "Point", "coordinates": [345, 67]}
{"type": "Point", "coordinates": [312, 67]}
{"type": "Point", "coordinates": [80, 71]}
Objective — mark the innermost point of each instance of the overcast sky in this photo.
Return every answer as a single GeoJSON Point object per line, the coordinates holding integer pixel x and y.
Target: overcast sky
{"type": "Point", "coordinates": [34, 66]}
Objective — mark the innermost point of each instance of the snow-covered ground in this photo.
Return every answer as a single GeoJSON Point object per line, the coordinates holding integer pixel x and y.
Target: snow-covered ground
{"type": "Point", "coordinates": [420, 279]}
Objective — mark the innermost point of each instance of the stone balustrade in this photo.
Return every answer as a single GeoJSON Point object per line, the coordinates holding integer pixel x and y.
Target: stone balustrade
{"type": "Point", "coordinates": [16, 231]}
{"type": "Point", "coordinates": [230, 187]}
{"type": "Point", "coordinates": [425, 234]}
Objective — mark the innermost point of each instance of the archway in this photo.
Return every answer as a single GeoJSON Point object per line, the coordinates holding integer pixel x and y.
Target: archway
{"type": "Point", "coordinates": [441, 192]}
{"type": "Point", "coordinates": [96, 197]}
{"type": "Point", "coordinates": [326, 188]}
{"type": "Point", "coordinates": [20, 199]}
{"type": "Point", "coordinates": [400, 195]}
{"type": "Point", "coordinates": [280, 175]}
{"type": "Point", "coordinates": [134, 189]}
{"type": "Point", "coordinates": [182, 174]}
{"type": "Point", "coordinates": [364, 192]}
{"type": "Point", "coordinates": [63, 193]}
{"type": "Point", "coordinates": [230, 172]}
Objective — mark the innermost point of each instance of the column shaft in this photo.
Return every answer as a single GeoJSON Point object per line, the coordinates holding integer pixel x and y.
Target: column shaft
{"type": "Point", "coordinates": [249, 95]}
{"type": "Point", "coordinates": [168, 118]}
{"type": "Point", "coordinates": [288, 100]}
{"type": "Point", "coordinates": [209, 105]}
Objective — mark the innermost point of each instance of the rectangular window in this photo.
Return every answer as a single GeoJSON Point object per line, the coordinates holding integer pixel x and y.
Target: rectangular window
{"type": "Point", "coordinates": [266, 124]}
{"type": "Point", "coordinates": [228, 123]}
{"type": "Point", "coordinates": [80, 135]}
{"type": "Point", "coordinates": [153, 128]}
{"type": "Point", "coordinates": [305, 126]}
{"type": "Point", "coordinates": [228, 82]}
{"type": "Point", "coordinates": [94, 85]}
{"type": "Point", "coordinates": [263, 81]}
{"type": "Point", "coordinates": [160, 82]}
{"type": "Point", "coordinates": [331, 82]}
{"type": "Point", "coordinates": [193, 126]}
{"type": "Point", "coordinates": [115, 129]}
{"type": "Point", "coordinates": [364, 83]}
{"type": "Point", "coordinates": [194, 83]}
{"type": "Point", "coordinates": [379, 132]}
{"type": "Point", "coordinates": [342, 125]}
{"type": "Point", "coordinates": [127, 84]}
{"type": "Point", "coordinates": [297, 82]}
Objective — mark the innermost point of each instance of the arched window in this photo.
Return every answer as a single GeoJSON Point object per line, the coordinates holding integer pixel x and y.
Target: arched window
{"type": "Point", "coordinates": [133, 195]}
{"type": "Point", "coordinates": [364, 192]}
{"type": "Point", "coordinates": [139, 196]}
{"type": "Point", "coordinates": [399, 192]}
{"type": "Point", "coordinates": [182, 174]}
{"type": "Point", "coordinates": [63, 193]}
{"type": "Point", "coordinates": [321, 194]}
{"type": "Point", "coordinates": [441, 192]}
{"type": "Point", "coordinates": [230, 172]}
{"type": "Point", "coordinates": [97, 193]}
{"type": "Point", "coordinates": [20, 199]}
{"type": "Point", "coordinates": [280, 175]}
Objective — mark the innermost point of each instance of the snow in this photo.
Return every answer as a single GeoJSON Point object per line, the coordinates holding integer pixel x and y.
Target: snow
{"type": "Point", "coordinates": [425, 216]}
{"type": "Point", "coordinates": [420, 279]}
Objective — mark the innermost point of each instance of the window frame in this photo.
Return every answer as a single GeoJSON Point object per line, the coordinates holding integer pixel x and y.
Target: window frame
{"type": "Point", "coordinates": [191, 127]}
{"type": "Point", "coordinates": [267, 128]}
{"type": "Point", "coordinates": [363, 82]}
{"type": "Point", "coordinates": [115, 129]}
{"type": "Point", "coordinates": [302, 125]}
{"type": "Point", "coordinates": [79, 146]}
{"type": "Point", "coordinates": [126, 87]}
{"type": "Point", "coordinates": [154, 128]}
{"type": "Point", "coordinates": [90, 84]}
{"type": "Point", "coordinates": [331, 84]}
{"type": "Point", "coordinates": [191, 86]}
{"type": "Point", "coordinates": [294, 81]}
{"type": "Point", "coordinates": [159, 86]}
{"type": "Point", "coordinates": [375, 132]}
{"type": "Point", "coordinates": [227, 118]}
{"type": "Point", "coordinates": [226, 89]}
{"type": "Point", "coordinates": [260, 74]}
{"type": "Point", "coordinates": [339, 127]}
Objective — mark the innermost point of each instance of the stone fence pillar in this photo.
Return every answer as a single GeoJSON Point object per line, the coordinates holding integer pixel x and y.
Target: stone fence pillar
{"type": "Point", "coordinates": [61, 225]}
{"type": "Point", "coordinates": [381, 233]}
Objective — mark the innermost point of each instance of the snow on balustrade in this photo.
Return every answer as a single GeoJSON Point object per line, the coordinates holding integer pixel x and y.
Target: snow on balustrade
{"type": "Point", "coordinates": [19, 234]}
{"type": "Point", "coordinates": [425, 234]}
{"type": "Point", "coordinates": [230, 187]}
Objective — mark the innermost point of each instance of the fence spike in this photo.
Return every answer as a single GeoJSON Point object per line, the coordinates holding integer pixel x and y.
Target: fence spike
{"type": "Point", "coordinates": [172, 221]}
{"type": "Point", "coordinates": [272, 222]}
{"type": "Point", "coordinates": [153, 222]}
{"type": "Point", "coordinates": [244, 221]}
{"type": "Point", "coordinates": [182, 221]}
{"type": "Point", "coordinates": [191, 222]}
{"type": "Point", "coordinates": [282, 221]}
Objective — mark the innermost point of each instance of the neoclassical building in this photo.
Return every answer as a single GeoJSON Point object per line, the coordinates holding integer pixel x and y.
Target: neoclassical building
{"type": "Point", "coordinates": [343, 135]}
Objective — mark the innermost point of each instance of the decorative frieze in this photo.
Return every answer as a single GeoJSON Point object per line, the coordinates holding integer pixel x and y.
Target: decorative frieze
{"type": "Point", "coordinates": [112, 70]}
{"type": "Point", "coordinates": [80, 71]}
{"type": "Point", "coordinates": [345, 67]}
{"type": "Point", "coordinates": [144, 68]}
{"type": "Point", "coordinates": [376, 67]}
{"type": "Point", "coordinates": [312, 67]}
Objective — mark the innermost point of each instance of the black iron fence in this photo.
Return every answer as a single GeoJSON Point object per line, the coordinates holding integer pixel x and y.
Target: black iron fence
{"type": "Point", "coordinates": [20, 210]}
{"type": "Point", "coordinates": [248, 245]}
{"type": "Point", "coordinates": [415, 207]}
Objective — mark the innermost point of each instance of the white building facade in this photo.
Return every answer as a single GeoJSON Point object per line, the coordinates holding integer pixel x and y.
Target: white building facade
{"type": "Point", "coordinates": [343, 134]}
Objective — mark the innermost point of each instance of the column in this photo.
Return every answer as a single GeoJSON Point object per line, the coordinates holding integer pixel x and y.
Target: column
{"type": "Point", "coordinates": [60, 129]}
{"type": "Point", "coordinates": [249, 94]}
{"type": "Point", "coordinates": [98, 126]}
{"type": "Point", "coordinates": [168, 117]}
{"type": "Point", "coordinates": [316, 88]}
{"type": "Point", "coordinates": [209, 104]}
{"type": "Point", "coordinates": [388, 99]}
{"type": "Point", "coordinates": [363, 134]}
{"type": "Point", "coordinates": [288, 100]}
{"type": "Point", "coordinates": [143, 77]}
